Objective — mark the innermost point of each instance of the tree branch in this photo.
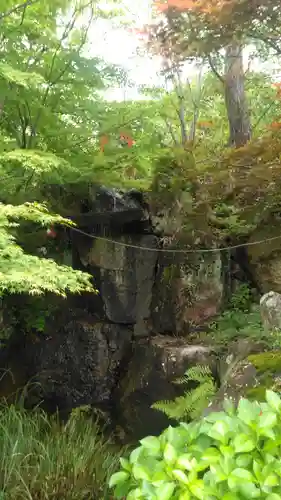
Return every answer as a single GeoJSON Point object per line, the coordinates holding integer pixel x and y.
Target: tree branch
{"type": "Point", "coordinates": [18, 7]}
{"type": "Point", "coordinates": [214, 69]}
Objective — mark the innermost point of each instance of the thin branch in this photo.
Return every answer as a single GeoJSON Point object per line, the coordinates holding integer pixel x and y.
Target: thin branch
{"type": "Point", "coordinates": [214, 69]}
{"type": "Point", "coordinates": [18, 7]}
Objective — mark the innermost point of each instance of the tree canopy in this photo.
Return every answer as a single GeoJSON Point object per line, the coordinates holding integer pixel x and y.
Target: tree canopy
{"type": "Point", "coordinates": [58, 133]}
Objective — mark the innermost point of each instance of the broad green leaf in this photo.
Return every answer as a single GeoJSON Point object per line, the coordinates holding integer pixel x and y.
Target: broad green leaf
{"type": "Point", "coordinates": [240, 474]}
{"type": "Point", "coordinates": [243, 444]}
{"type": "Point", "coordinates": [185, 496]}
{"type": "Point", "coordinates": [125, 464]}
{"type": "Point", "coordinates": [249, 490]}
{"type": "Point", "coordinates": [165, 491]}
{"type": "Point", "coordinates": [152, 444]}
{"type": "Point", "coordinates": [170, 454]}
{"type": "Point", "coordinates": [267, 420]}
{"type": "Point", "coordinates": [185, 461]}
{"type": "Point", "coordinates": [271, 480]}
{"type": "Point", "coordinates": [135, 454]}
{"type": "Point", "coordinates": [135, 494]}
{"type": "Point", "coordinates": [118, 477]}
{"type": "Point", "coordinates": [197, 488]}
{"type": "Point", "coordinates": [219, 431]}
{"type": "Point", "coordinates": [211, 455]}
{"type": "Point", "coordinates": [248, 411]}
{"type": "Point", "coordinates": [180, 476]}
{"type": "Point", "coordinates": [273, 400]}
{"type": "Point", "coordinates": [140, 472]}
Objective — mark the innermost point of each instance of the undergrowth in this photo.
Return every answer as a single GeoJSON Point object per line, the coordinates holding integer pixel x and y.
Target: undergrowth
{"type": "Point", "coordinates": [240, 320]}
{"type": "Point", "coordinates": [40, 459]}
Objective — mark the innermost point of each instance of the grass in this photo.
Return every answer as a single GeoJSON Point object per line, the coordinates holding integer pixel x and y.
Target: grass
{"type": "Point", "coordinates": [41, 459]}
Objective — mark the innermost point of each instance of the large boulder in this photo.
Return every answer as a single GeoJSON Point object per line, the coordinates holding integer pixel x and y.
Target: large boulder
{"type": "Point", "coordinates": [126, 276]}
{"type": "Point", "coordinates": [149, 377]}
{"type": "Point", "coordinates": [188, 292]}
{"type": "Point", "coordinates": [270, 308]}
{"type": "Point", "coordinates": [77, 363]}
{"type": "Point", "coordinates": [265, 257]}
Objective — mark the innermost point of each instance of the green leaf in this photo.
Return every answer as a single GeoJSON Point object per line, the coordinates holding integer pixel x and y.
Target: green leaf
{"type": "Point", "coordinates": [180, 476]}
{"type": "Point", "coordinates": [267, 420]}
{"type": "Point", "coordinates": [135, 494]}
{"type": "Point", "coordinates": [240, 474]}
{"type": "Point", "coordinates": [152, 444]}
{"type": "Point", "coordinates": [243, 444]}
{"type": "Point", "coordinates": [165, 491]}
{"type": "Point", "coordinates": [135, 454]}
{"type": "Point", "coordinates": [140, 472]}
{"type": "Point", "coordinates": [247, 411]}
{"type": "Point", "coordinates": [125, 464]}
{"type": "Point", "coordinates": [197, 488]}
{"type": "Point", "coordinates": [249, 490]}
{"type": "Point", "coordinates": [118, 477]}
{"type": "Point", "coordinates": [219, 430]}
{"type": "Point", "coordinates": [271, 480]}
{"type": "Point", "coordinates": [185, 496]}
{"type": "Point", "coordinates": [211, 456]}
{"type": "Point", "coordinates": [185, 461]}
{"type": "Point", "coordinates": [170, 454]}
{"type": "Point", "coordinates": [273, 400]}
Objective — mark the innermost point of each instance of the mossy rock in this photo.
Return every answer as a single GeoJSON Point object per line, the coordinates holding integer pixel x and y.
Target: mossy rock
{"type": "Point", "coordinates": [268, 366]}
{"type": "Point", "coordinates": [266, 362]}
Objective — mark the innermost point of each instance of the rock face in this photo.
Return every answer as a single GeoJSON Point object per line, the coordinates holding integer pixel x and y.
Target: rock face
{"type": "Point", "coordinates": [76, 365]}
{"type": "Point", "coordinates": [188, 291]}
{"type": "Point", "coordinates": [270, 307]}
{"type": "Point", "coordinates": [153, 367]}
{"type": "Point", "coordinates": [105, 350]}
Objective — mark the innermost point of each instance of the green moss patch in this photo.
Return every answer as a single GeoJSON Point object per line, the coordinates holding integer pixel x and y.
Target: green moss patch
{"type": "Point", "coordinates": [266, 362]}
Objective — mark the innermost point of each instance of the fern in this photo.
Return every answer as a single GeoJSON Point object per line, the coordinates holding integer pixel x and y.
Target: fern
{"type": "Point", "coordinates": [193, 402]}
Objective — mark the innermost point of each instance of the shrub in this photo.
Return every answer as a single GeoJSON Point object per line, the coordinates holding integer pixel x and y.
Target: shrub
{"type": "Point", "coordinates": [41, 459]}
{"type": "Point", "coordinates": [230, 455]}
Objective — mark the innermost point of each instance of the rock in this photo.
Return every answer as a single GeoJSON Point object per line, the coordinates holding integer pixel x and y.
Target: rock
{"type": "Point", "coordinates": [126, 276]}
{"type": "Point", "coordinates": [78, 364]}
{"type": "Point", "coordinates": [265, 258]}
{"type": "Point", "coordinates": [270, 308]}
{"type": "Point", "coordinates": [188, 292]}
{"type": "Point", "coordinates": [149, 377]}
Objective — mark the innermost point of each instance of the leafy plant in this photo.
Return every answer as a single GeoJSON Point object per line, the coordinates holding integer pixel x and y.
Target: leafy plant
{"type": "Point", "coordinates": [40, 458]}
{"type": "Point", "coordinates": [230, 455]}
{"type": "Point", "coordinates": [194, 401]}
{"type": "Point", "coordinates": [240, 320]}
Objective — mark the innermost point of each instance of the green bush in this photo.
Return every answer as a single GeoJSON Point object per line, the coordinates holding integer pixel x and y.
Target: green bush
{"type": "Point", "coordinates": [230, 455]}
{"type": "Point", "coordinates": [42, 459]}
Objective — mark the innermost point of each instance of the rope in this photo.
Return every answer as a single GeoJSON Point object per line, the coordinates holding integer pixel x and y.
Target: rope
{"type": "Point", "coordinates": [176, 250]}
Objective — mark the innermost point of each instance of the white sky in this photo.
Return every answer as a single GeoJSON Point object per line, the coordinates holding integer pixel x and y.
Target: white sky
{"type": "Point", "coordinates": [119, 46]}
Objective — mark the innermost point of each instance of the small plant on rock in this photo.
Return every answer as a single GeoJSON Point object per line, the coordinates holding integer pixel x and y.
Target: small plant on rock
{"type": "Point", "coordinates": [229, 455]}
{"type": "Point", "coordinates": [194, 401]}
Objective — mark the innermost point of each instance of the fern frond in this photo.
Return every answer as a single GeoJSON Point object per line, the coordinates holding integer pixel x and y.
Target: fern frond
{"type": "Point", "coordinates": [198, 373]}
{"type": "Point", "coordinates": [193, 402]}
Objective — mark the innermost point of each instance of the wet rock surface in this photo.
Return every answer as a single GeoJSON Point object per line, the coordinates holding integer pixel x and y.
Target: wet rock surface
{"type": "Point", "coordinates": [152, 369]}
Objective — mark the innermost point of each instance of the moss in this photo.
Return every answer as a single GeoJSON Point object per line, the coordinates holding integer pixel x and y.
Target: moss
{"type": "Point", "coordinates": [266, 362]}
{"type": "Point", "coordinates": [257, 393]}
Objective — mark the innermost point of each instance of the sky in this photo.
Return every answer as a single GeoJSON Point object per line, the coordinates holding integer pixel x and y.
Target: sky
{"type": "Point", "coordinates": [120, 46]}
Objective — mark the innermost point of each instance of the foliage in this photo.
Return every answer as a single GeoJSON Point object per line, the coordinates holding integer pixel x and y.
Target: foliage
{"type": "Point", "coordinates": [40, 458]}
{"type": "Point", "coordinates": [233, 454]}
{"type": "Point", "coordinates": [23, 273]}
{"type": "Point", "coordinates": [194, 401]}
{"type": "Point", "coordinates": [240, 320]}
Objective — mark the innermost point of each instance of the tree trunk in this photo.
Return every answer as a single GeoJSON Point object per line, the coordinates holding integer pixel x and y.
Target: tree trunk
{"type": "Point", "coordinates": [235, 97]}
